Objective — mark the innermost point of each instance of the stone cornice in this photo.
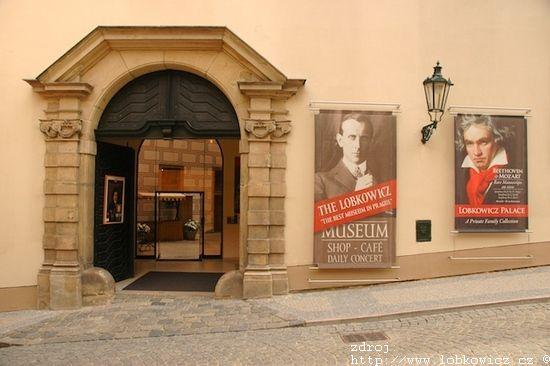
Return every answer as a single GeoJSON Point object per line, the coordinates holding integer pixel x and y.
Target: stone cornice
{"type": "Point", "coordinates": [269, 89]}
{"type": "Point", "coordinates": [102, 40]}
{"type": "Point", "coordinates": [60, 89]}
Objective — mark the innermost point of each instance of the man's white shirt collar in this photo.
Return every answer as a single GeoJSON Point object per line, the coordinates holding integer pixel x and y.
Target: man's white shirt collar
{"type": "Point", "coordinates": [499, 159]}
{"type": "Point", "coordinates": [353, 167]}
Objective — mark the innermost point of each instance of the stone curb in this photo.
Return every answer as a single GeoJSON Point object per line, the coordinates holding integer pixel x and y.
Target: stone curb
{"type": "Point", "coordinates": [414, 313]}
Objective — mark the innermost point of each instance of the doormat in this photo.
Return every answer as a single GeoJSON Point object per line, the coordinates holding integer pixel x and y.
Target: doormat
{"type": "Point", "coordinates": [176, 281]}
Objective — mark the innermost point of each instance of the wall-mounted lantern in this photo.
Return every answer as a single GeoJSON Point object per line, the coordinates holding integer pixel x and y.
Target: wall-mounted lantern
{"type": "Point", "coordinates": [437, 90]}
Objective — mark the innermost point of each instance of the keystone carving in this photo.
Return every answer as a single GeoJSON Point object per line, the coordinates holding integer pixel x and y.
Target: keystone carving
{"type": "Point", "coordinates": [260, 129]}
{"type": "Point", "coordinates": [64, 128]}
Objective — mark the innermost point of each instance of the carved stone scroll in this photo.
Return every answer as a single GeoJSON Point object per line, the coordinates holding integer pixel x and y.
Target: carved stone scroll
{"type": "Point", "coordinates": [64, 128]}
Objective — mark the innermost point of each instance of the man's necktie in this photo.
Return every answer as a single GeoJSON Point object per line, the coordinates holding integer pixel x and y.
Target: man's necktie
{"type": "Point", "coordinates": [358, 173]}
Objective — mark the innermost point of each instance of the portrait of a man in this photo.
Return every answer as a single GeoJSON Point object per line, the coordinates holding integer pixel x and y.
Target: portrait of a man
{"type": "Point", "coordinates": [113, 206]}
{"type": "Point", "coordinates": [482, 142]}
{"type": "Point", "coordinates": [355, 189]}
{"type": "Point", "coordinates": [490, 173]}
{"type": "Point", "coordinates": [352, 172]}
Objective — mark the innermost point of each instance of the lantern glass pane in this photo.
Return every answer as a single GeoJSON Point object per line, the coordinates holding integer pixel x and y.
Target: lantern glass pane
{"type": "Point", "coordinates": [445, 95]}
{"type": "Point", "coordinates": [428, 90]}
{"type": "Point", "coordinates": [439, 90]}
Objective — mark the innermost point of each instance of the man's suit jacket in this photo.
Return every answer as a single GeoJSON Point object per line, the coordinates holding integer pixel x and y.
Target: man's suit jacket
{"type": "Point", "coordinates": [335, 182]}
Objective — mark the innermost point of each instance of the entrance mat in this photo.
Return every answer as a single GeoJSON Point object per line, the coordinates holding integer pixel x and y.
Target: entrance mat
{"type": "Point", "coordinates": [176, 281]}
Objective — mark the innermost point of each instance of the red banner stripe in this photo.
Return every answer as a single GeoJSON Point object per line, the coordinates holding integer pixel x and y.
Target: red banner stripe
{"type": "Point", "coordinates": [355, 205]}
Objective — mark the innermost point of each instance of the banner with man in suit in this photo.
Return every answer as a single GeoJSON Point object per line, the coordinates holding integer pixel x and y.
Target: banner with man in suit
{"type": "Point", "coordinates": [355, 189]}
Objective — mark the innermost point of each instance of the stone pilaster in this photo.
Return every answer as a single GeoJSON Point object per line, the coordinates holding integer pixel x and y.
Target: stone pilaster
{"type": "Point", "coordinates": [266, 129]}
{"type": "Point", "coordinates": [59, 278]}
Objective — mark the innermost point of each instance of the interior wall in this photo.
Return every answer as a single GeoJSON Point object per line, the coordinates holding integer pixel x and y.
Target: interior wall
{"type": "Point", "coordinates": [230, 152]}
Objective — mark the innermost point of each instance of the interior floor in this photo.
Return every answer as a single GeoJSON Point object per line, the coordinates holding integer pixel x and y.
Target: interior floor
{"type": "Point", "coordinates": [142, 266]}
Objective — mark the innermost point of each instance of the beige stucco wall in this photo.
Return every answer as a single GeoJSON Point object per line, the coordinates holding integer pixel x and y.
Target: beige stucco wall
{"type": "Point", "coordinates": [496, 52]}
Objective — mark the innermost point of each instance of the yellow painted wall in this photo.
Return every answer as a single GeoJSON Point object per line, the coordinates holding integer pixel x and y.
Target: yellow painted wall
{"type": "Point", "coordinates": [497, 53]}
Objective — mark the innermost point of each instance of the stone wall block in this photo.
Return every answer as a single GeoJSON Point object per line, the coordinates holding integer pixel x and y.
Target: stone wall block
{"type": "Point", "coordinates": [65, 289]}
{"type": "Point", "coordinates": [66, 242]}
{"type": "Point", "coordinates": [55, 160]}
{"type": "Point", "coordinates": [277, 175]}
{"type": "Point", "coordinates": [170, 157]}
{"type": "Point", "coordinates": [149, 155]}
{"type": "Point", "coordinates": [258, 232]}
{"type": "Point", "coordinates": [60, 214]}
{"type": "Point", "coordinates": [258, 246]}
{"type": "Point", "coordinates": [259, 160]}
{"type": "Point", "coordinates": [278, 161]}
{"type": "Point", "coordinates": [276, 232]}
{"type": "Point", "coordinates": [259, 174]}
{"type": "Point", "coordinates": [277, 246]}
{"type": "Point", "coordinates": [66, 228]}
{"type": "Point", "coordinates": [60, 187]}
{"type": "Point", "coordinates": [277, 203]}
{"type": "Point", "coordinates": [258, 203]}
{"type": "Point", "coordinates": [67, 147]}
{"type": "Point", "coordinates": [259, 189]}
{"type": "Point", "coordinates": [66, 173]}
{"type": "Point", "coordinates": [257, 285]}
{"type": "Point", "coordinates": [65, 258]}
{"type": "Point", "coordinates": [258, 259]}
{"type": "Point", "coordinates": [49, 241]}
{"type": "Point", "coordinates": [258, 217]}
{"type": "Point", "coordinates": [61, 242]}
{"type": "Point", "coordinates": [277, 217]}
{"type": "Point", "coordinates": [277, 259]}
{"type": "Point", "coordinates": [280, 282]}
{"type": "Point", "coordinates": [278, 189]}
{"type": "Point", "coordinates": [278, 148]}
{"type": "Point", "coordinates": [49, 257]}
{"type": "Point", "coordinates": [260, 147]}
{"type": "Point", "coordinates": [162, 143]}
{"type": "Point", "coordinates": [43, 282]}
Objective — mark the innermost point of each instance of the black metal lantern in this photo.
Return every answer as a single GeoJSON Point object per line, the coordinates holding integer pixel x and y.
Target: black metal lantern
{"type": "Point", "coordinates": [436, 89]}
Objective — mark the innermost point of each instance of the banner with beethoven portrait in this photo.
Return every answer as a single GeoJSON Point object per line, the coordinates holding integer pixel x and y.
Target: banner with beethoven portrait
{"type": "Point", "coordinates": [355, 189]}
{"type": "Point", "coordinates": [490, 173]}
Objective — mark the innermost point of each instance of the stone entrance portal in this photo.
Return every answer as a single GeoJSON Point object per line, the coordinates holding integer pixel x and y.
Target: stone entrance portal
{"type": "Point", "coordinates": [76, 90]}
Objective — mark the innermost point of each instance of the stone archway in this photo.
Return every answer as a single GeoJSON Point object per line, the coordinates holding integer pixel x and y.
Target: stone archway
{"type": "Point", "coordinates": [76, 89]}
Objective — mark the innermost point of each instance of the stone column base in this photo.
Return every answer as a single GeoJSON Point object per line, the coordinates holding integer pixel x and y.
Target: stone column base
{"type": "Point", "coordinates": [280, 281]}
{"type": "Point", "coordinates": [65, 288]}
{"type": "Point", "coordinates": [257, 284]}
{"type": "Point", "coordinates": [43, 283]}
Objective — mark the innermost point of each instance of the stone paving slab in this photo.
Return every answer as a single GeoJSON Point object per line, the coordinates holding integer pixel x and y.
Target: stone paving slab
{"type": "Point", "coordinates": [498, 334]}
{"type": "Point", "coordinates": [413, 296]}
{"type": "Point", "coordinates": [144, 315]}
{"type": "Point", "coordinates": [134, 315]}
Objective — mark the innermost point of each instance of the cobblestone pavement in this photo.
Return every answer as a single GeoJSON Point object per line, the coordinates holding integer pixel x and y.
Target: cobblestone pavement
{"type": "Point", "coordinates": [499, 335]}
{"type": "Point", "coordinates": [401, 297]}
{"type": "Point", "coordinates": [133, 315]}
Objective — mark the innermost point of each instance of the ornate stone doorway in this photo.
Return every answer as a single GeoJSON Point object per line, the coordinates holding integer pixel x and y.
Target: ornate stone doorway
{"type": "Point", "coordinates": [76, 90]}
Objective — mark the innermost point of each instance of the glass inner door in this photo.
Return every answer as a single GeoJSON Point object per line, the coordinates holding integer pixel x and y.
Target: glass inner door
{"type": "Point", "coordinates": [178, 181]}
{"type": "Point", "coordinates": [179, 224]}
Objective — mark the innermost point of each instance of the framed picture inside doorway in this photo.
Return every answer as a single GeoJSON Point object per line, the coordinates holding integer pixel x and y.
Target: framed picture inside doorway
{"type": "Point", "coordinates": [113, 200]}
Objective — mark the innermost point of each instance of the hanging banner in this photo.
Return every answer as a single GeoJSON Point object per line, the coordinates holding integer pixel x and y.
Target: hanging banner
{"type": "Point", "coordinates": [490, 173]}
{"type": "Point", "coordinates": [355, 189]}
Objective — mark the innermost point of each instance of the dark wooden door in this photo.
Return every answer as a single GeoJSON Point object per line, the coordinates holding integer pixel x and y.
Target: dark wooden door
{"type": "Point", "coordinates": [114, 242]}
